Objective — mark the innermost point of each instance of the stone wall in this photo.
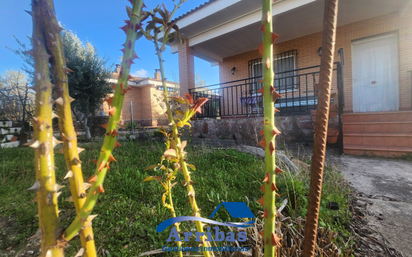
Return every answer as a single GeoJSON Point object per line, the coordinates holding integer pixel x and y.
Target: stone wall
{"type": "Point", "coordinates": [246, 130]}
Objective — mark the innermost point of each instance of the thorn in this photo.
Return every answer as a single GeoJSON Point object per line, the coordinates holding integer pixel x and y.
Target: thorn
{"type": "Point", "coordinates": [57, 187]}
{"type": "Point", "coordinates": [82, 195]}
{"type": "Point", "coordinates": [111, 158]}
{"type": "Point", "coordinates": [274, 37]}
{"type": "Point", "coordinates": [95, 161]}
{"type": "Point", "coordinates": [276, 194]}
{"type": "Point", "coordinates": [109, 100]}
{"type": "Point", "coordinates": [33, 143]}
{"type": "Point", "coordinates": [35, 186]}
{"type": "Point", "coordinates": [101, 166]}
{"type": "Point", "coordinates": [30, 52]}
{"type": "Point", "coordinates": [116, 144]}
{"type": "Point", "coordinates": [261, 233]}
{"type": "Point", "coordinates": [54, 115]}
{"type": "Point", "coordinates": [260, 81]}
{"type": "Point", "coordinates": [275, 131]}
{"type": "Point", "coordinates": [130, 77]}
{"type": "Point", "coordinates": [275, 110]}
{"type": "Point", "coordinates": [271, 147]}
{"type": "Point", "coordinates": [262, 201]}
{"type": "Point", "coordinates": [56, 142]}
{"type": "Point", "coordinates": [69, 174]}
{"type": "Point", "coordinates": [275, 240]}
{"type": "Point", "coordinates": [76, 161]}
{"type": "Point", "coordinates": [87, 186]}
{"type": "Point", "coordinates": [268, 63]}
{"type": "Point", "coordinates": [278, 170]}
{"type": "Point", "coordinates": [114, 133]}
{"type": "Point", "coordinates": [263, 143]}
{"type": "Point", "coordinates": [30, 12]}
{"type": "Point", "coordinates": [276, 95]}
{"type": "Point", "coordinates": [37, 235]}
{"type": "Point", "coordinates": [100, 189]}
{"type": "Point", "coordinates": [103, 126]}
{"type": "Point", "coordinates": [71, 99]}
{"type": "Point", "coordinates": [267, 178]}
{"type": "Point", "coordinates": [58, 194]}
{"type": "Point", "coordinates": [59, 101]}
{"type": "Point", "coordinates": [261, 90]}
{"type": "Point", "coordinates": [93, 216]}
{"type": "Point", "coordinates": [273, 187]}
{"type": "Point", "coordinates": [112, 110]}
{"type": "Point", "coordinates": [69, 199]}
{"type": "Point", "coordinates": [124, 28]}
{"type": "Point", "coordinates": [123, 50]}
{"type": "Point", "coordinates": [67, 70]}
{"type": "Point", "coordinates": [262, 28]}
{"type": "Point", "coordinates": [262, 133]}
{"type": "Point", "coordinates": [92, 179]}
{"type": "Point", "coordinates": [260, 48]}
{"type": "Point", "coordinates": [262, 188]}
{"type": "Point", "coordinates": [89, 238]}
{"type": "Point", "coordinates": [266, 213]}
{"type": "Point", "coordinates": [69, 145]}
{"type": "Point", "coordinates": [135, 56]}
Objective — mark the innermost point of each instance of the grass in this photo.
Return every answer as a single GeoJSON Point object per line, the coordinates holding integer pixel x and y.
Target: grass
{"type": "Point", "coordinates": [130, 210]}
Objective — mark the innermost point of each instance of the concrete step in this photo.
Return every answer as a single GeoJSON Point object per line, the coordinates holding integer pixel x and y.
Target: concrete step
{"type": "Point", "coordinates": [377, 116]}
{"type": "Point", "coordinates": [378, 139]}
{"type": "Point", "coordinates": [377, 127]}
{"type": "Point", "coordinates": [387, 151]}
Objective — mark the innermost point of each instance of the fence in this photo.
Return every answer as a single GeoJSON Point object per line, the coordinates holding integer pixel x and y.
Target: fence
{"type": "Point", "coordinates": [298, 87]}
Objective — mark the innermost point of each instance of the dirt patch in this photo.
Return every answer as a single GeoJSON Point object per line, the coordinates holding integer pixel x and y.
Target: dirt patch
{"type": "Point", "coordinates": [9, 246]}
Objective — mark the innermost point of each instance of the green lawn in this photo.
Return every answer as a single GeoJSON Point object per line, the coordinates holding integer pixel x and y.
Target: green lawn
{"type": "Point", "coordinates": [130, 210]}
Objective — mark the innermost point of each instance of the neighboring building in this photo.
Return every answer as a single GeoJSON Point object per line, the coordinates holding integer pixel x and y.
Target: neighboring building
{"type": "Point", "coordinates": [146, 98]}
{"type": "Point", "coordinates": [373, 48]}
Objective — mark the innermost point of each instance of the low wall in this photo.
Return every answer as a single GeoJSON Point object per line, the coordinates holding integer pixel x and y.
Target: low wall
{"type": "Point", "coordinates": [246, 130]}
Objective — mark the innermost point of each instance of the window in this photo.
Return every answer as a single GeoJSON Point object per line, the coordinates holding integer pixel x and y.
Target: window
{"type": "Point", "coordinates": [170, 89]}
{"type": "Point", "coordinates": [283, 66]}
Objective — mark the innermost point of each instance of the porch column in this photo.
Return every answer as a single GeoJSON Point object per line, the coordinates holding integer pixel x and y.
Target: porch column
{"type": "Point", "coordinates": [186, 67]}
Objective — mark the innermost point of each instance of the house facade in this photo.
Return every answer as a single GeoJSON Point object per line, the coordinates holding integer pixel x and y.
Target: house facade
{"type": "Point", "coordinates": [143, 103]}
{"type": "Point", "coordinates": [373, 64]}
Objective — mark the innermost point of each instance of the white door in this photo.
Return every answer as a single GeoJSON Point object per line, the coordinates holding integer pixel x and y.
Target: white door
{"type": "Point", "coordinates": [375, 73]}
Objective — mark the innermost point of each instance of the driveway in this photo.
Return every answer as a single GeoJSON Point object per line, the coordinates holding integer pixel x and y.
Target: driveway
{"type": "Point", "coordinates": [386, 185]}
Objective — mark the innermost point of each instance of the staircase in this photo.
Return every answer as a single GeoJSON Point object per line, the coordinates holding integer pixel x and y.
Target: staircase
{"type": "Point", "coordinates": [378, 133]}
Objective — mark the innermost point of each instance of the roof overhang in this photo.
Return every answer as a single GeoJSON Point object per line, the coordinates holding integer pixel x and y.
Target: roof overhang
{"type": "Point", "coordinates": [225, 28]}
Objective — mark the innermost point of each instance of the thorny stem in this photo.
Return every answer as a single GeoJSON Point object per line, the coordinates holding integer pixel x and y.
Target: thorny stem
{"type": "Point", "coordinates": [111, 131]}
{"type": "Point", "coordinates": [269, 132]}
{"type": "Point", "coordinates": [172, 210]}
{"type": "Point", "coordinates": [178, 144]}
{"type": "Point", "coordinates": [43, 143]}
{"type": "Point", "coordinates": [67, 132]}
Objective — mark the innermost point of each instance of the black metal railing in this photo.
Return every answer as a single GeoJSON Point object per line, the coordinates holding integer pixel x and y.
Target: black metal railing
{"type": "Point", "coordinates": [242, 97]}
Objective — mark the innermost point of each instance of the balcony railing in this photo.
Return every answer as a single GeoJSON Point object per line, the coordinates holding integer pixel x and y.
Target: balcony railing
{"type": "Point", "coordinates": [298, 87]}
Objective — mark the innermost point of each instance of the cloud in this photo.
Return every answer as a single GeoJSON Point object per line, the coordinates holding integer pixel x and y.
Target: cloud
{"type": "Point", "coordinates": [141, 73]}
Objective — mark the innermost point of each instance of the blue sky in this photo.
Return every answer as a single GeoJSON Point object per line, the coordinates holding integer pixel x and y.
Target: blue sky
{"type": "Point", "coordinates": [96, 22]}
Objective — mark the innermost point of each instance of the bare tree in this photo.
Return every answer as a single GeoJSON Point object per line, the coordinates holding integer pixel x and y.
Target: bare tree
{"type": "Point", "coordinates": [16, 100]}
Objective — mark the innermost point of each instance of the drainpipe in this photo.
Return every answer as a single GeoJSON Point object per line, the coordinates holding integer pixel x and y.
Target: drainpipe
{"type": "Point", "coordinates": [321, 127]}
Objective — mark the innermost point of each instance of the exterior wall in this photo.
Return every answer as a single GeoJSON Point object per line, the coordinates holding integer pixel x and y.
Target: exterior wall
{"type": "Point", "coordinates": [307, 47]}
{"type": "Point", "coordinates": [246, 130]}
{"type": "Point", "coordinates": [186, 67]}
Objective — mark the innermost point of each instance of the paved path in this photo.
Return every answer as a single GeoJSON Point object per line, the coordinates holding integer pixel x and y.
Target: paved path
{"type": "Point", "coordinates": [387, 183]}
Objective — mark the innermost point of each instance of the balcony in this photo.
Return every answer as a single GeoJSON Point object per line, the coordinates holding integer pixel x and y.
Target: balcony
{"type": "Point", "coordinates": [241, 98]}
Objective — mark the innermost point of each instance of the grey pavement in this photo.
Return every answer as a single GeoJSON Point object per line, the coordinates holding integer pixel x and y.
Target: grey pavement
{"type": "Point", "coordinates": [387, 184]}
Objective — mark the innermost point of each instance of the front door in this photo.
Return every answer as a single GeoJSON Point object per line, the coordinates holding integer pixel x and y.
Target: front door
{"type": "Point", "coordinates": [375, 74]}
